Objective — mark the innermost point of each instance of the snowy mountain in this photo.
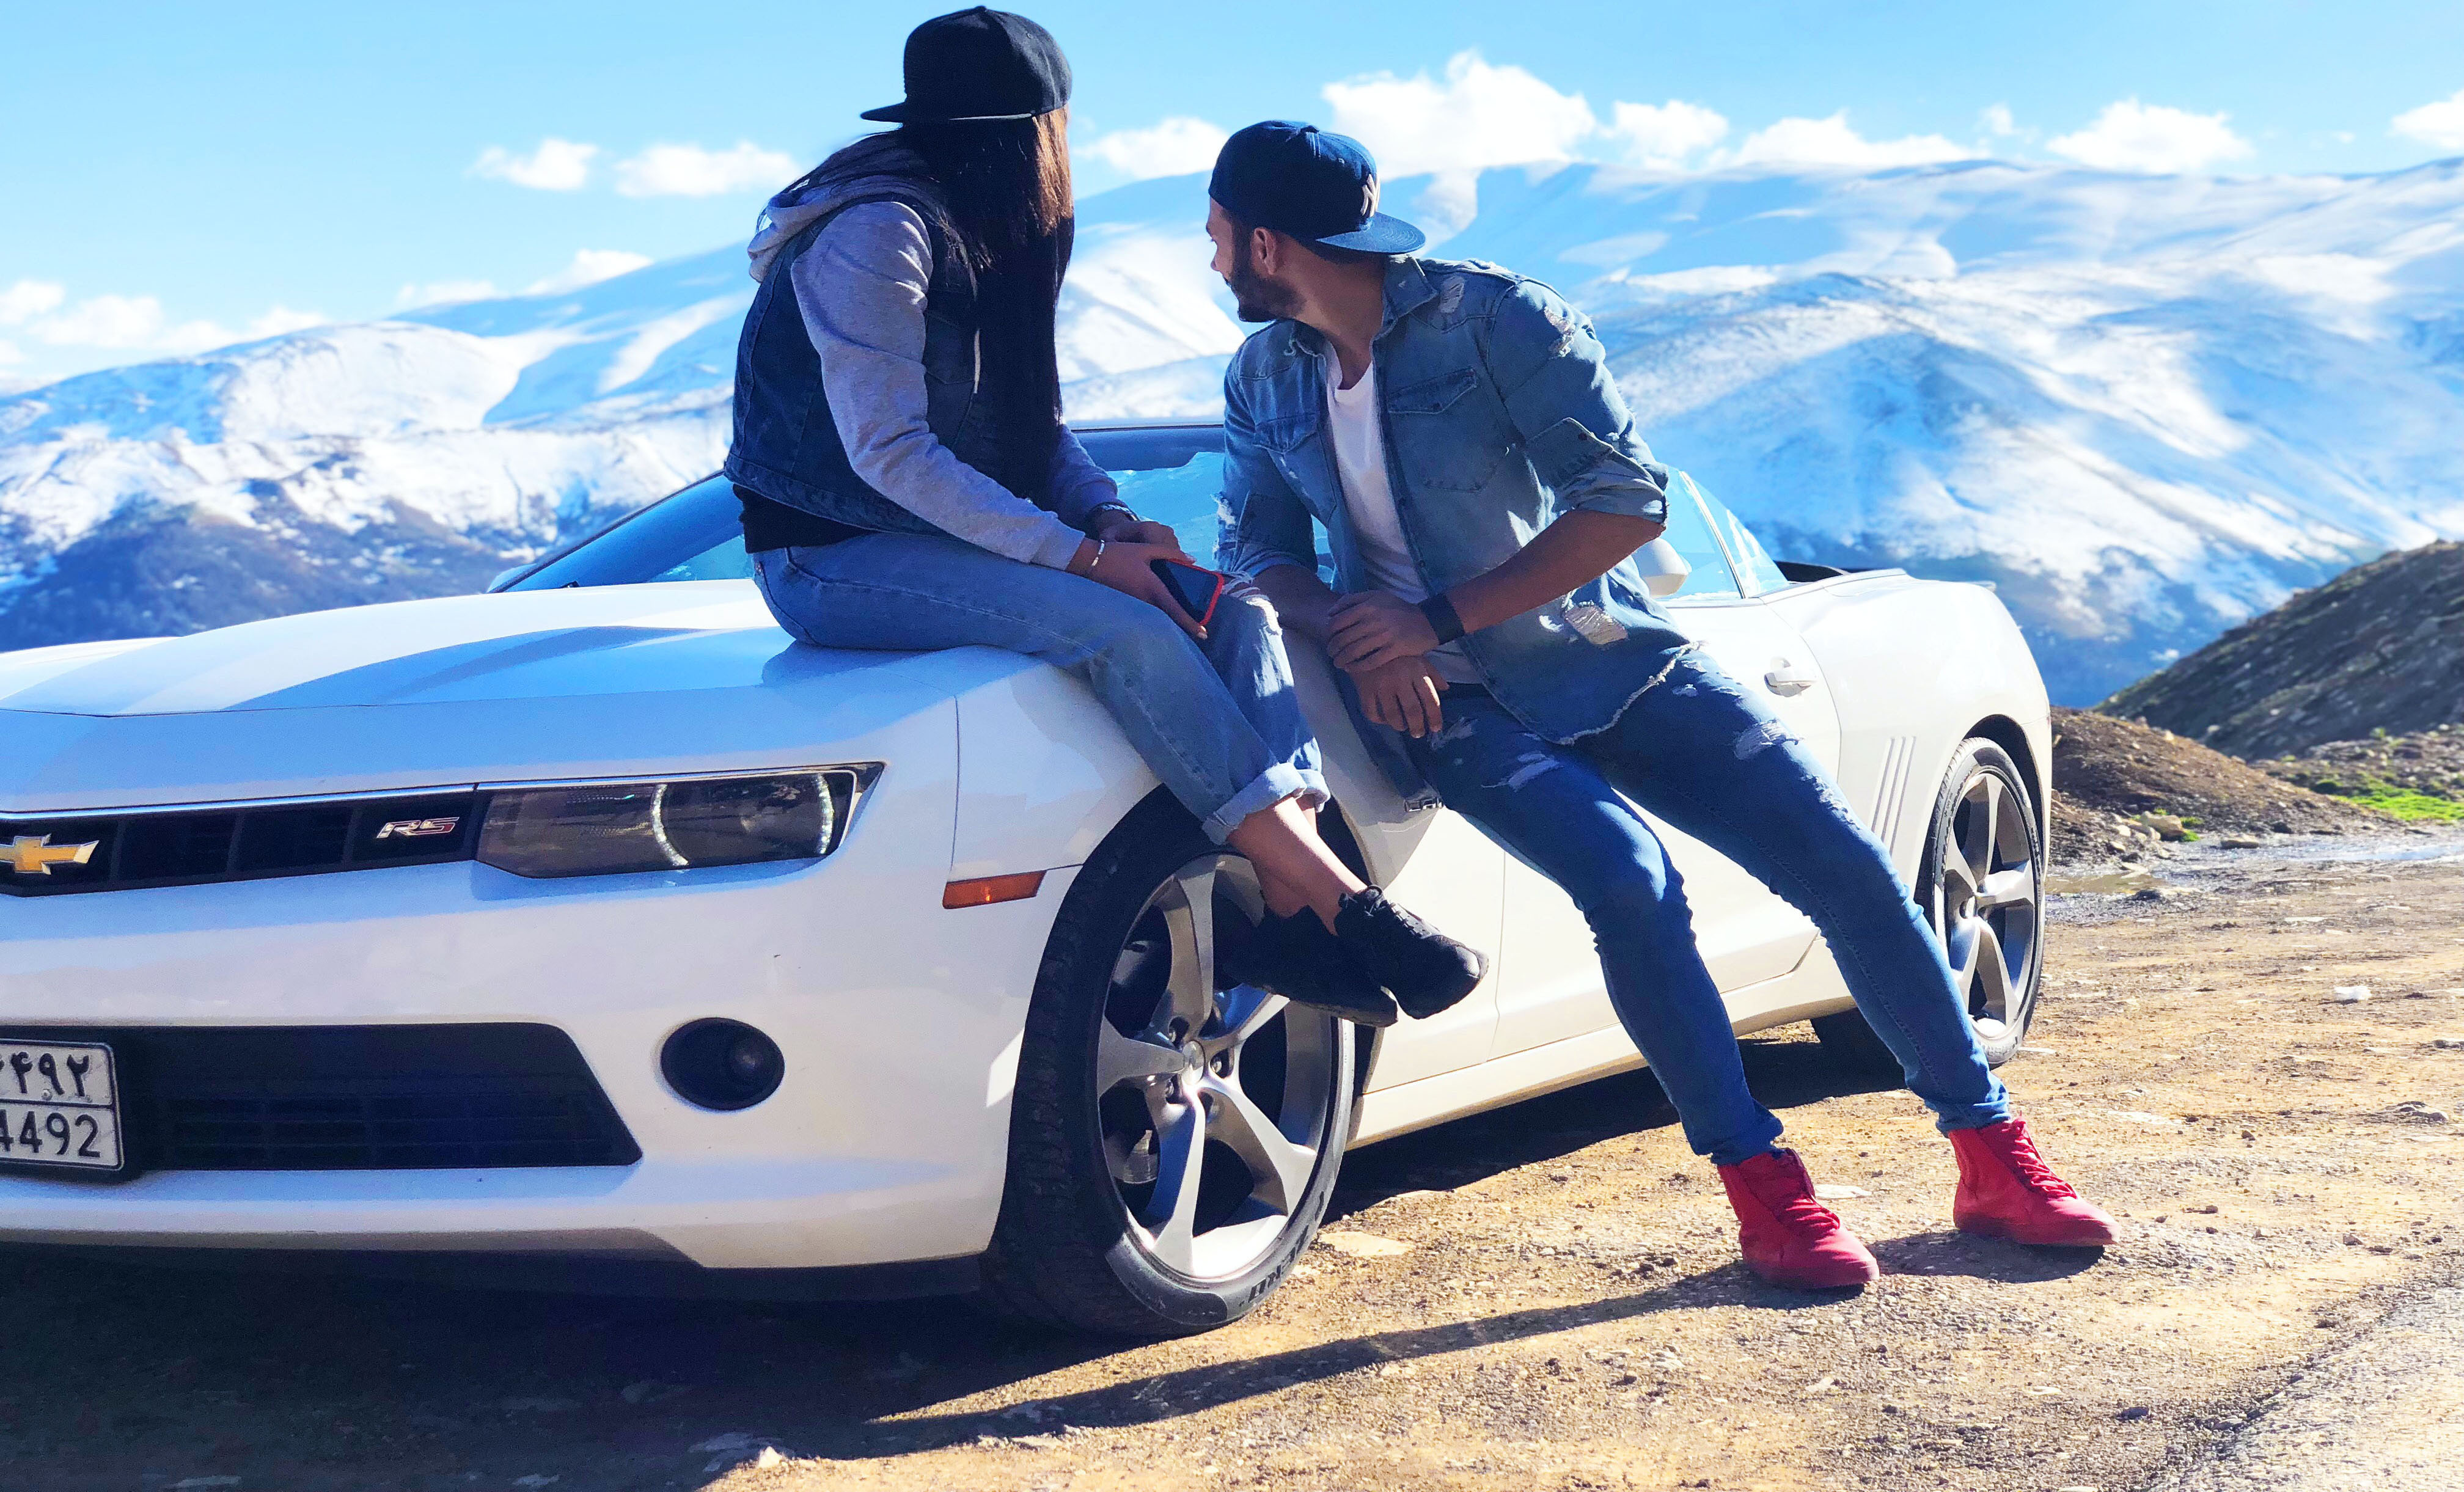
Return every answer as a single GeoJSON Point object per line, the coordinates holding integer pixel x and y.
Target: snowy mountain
{"type": "Point", "coordinates": [2145, 407]}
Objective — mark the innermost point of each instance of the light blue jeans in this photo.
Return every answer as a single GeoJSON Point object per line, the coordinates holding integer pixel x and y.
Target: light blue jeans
{"type": "Point", "coordinates": [1221, 724]}
{"type": "Point", "coordinates": [1701, 752]}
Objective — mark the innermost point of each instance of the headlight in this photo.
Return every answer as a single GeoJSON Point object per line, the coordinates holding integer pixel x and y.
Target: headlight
{"type": "Point", "coordinates": [605, 828]}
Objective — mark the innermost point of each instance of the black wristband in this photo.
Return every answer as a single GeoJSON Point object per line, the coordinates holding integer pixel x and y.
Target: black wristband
{"type": "Point", "coordinates": [1442, 620]}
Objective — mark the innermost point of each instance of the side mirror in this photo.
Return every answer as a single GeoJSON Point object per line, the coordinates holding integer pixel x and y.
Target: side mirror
{"type": "Point", "coordinates": [505, 577]}
{"type": "Point", "coordinates": [1663, 569]}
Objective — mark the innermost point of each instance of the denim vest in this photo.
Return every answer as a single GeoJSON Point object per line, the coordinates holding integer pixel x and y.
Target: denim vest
{"type": "Point", "coordinates": [787, 444]}
{"type": "Point", "coordinates": [1499, 415]}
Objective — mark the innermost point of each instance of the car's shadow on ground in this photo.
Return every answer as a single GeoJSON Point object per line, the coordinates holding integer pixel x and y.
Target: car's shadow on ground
{"type": "Point", "coordinates": [121, 1374]}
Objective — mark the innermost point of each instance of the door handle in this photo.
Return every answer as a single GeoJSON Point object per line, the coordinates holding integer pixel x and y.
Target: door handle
{"type": "Point", "coordinates": [1789, 678]}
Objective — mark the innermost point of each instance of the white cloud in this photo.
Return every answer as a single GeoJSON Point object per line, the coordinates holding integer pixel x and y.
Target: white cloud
{"type": "Point", "coordinates": [115, 322]}
{"type": "Point", "coordinates": [589, 266]}
{"type": "Point", "coordinates": [2130, 136]}
{"type": "Point", "coordinates": [137, 323]}
{"type": "Point", "coordinates": [556, 166]}
{"type": "Point", "coordinates": [8, 354]}
{"type": "Point", "coordinates": [2440, 124]}
{"type": "Point", "coordinates": [690, 172]}
{"type": "Point", "coordinates": [443, 292]}
{"type": "Point", "coordinates": [279, 319]}
{"type": "Point", "coordinates": [28, 299]}
{"type": "Point", "coordinates": [1664, 135]}
{"type": "Point", "coordinates": [1831, 142]}
{"type": "Point", "coordinates": [1479, 115]}
{"type": "Point", "coordinates": [1175, 148]}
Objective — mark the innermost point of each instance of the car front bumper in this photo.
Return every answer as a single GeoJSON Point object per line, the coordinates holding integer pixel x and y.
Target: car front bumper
{"type": "Point", "coordinates": [899, 1021]}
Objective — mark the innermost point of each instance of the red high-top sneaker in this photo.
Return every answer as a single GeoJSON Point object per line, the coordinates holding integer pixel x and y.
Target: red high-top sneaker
{"type": "Point", "coordinates": [1790, 1238]}
{"type": "Point", "coordinates": [2005, 1191]}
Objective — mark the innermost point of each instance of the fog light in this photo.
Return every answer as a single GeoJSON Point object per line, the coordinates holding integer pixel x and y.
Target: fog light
{"type": "Point", "coordinates": [721, 1065]}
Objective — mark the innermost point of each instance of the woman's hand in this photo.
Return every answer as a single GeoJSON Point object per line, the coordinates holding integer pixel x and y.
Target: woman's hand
{"type": "Point", "coordinates": [1124, 566]}
{"type": "Point", "coordinates": [1120, 526]}
{"type": "Point", "coordinates": [1371, 629]}
{"type": "Point", "coordinates": [1402, 695]}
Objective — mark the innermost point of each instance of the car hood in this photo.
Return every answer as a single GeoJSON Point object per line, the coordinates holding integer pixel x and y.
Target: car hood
{"type": "Point", "coordinates": [610, 681]}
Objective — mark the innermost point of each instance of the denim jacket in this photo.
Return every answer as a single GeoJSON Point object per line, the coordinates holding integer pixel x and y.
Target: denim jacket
{"type": "Point", "coordinates": [1498, 414]}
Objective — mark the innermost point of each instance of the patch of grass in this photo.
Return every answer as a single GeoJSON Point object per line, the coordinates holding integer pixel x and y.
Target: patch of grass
{"type": "Point", "coordinates": [2406, 803]}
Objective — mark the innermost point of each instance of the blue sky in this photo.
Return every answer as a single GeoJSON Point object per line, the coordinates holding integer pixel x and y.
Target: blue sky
{"type": "Point", "coordinates": [178, 175]}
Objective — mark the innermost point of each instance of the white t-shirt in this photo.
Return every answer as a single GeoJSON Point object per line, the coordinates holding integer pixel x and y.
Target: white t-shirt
{"type": "Point", "coordinates": [1360, 461]}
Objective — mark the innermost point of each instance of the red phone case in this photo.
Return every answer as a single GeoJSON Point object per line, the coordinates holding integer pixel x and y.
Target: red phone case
{"type": "Point", "coordinates": [1206, 617]}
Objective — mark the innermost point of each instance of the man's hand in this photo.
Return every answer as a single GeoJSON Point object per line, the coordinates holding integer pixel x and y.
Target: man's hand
{"type": "Point", "coordinates": [1404, 694]}
{"type": "Point", "coordinates": [1369, 629]}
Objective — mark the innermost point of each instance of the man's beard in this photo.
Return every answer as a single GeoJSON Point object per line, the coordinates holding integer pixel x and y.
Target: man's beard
{"type": "Point", "coordinates": [1257, 298]}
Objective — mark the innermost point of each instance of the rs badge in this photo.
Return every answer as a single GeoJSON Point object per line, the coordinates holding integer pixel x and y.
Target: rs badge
{"type": "Point", "coordinates": [416, 828]}
{"type": "Point", "coordinates": [35, 854]}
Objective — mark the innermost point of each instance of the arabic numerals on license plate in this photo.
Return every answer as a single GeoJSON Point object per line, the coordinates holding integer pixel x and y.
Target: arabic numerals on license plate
{"type": "Point", "coordinates": [38, 1135]}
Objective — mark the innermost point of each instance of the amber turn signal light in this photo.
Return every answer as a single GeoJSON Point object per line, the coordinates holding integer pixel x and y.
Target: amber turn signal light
{"type": "Point", "coordinates": [992, 888]}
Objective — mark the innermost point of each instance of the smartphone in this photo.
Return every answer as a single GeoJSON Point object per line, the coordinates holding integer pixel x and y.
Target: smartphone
{"type": "Point", "coordinates": [1195, 586]}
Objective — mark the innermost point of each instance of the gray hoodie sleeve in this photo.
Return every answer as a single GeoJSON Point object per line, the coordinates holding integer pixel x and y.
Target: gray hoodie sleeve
{"type": "Point", "coordinates": [1079, 486]}
{"type": "Point", "coordinates": [860, 287]}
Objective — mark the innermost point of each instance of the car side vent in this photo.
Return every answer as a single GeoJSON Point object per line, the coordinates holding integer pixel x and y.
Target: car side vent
{"type": "Point", "coordinates": [111, 852]}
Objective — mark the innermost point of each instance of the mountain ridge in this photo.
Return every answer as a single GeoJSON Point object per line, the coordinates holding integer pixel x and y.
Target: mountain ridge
{"type": "Point", "coordinates": [2145, 407]}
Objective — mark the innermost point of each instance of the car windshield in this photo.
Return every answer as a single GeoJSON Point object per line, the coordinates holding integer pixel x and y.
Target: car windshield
{"type": "Point", "coordinates": [1171, 473]}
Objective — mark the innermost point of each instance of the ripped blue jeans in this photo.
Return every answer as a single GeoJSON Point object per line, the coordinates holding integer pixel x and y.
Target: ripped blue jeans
{"type": "Point", "coordinates": [1703, 756]}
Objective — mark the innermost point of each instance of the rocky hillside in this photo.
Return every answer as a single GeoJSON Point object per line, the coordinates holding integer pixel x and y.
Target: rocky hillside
{"type": "Point", "coordinates": [2379, 649]}
{"type": "Point", "coordinates": [2117, 782]}
{"type": "Point", "coordinates": [2419, 775]}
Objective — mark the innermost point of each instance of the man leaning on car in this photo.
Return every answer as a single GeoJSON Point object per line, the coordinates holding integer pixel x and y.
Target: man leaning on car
{"type": "Point", "coordinates": [1455, 429]}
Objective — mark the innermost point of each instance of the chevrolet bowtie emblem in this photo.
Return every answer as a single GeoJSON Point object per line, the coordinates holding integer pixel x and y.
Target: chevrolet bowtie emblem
{"type": "Point", "coordinates": [35, 854]}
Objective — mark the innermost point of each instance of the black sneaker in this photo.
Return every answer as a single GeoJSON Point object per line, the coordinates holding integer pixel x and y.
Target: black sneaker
{"type": "Point", "coordinates": [1424, 970]}
{"type": "Point", "coordinates": [1299, 960]}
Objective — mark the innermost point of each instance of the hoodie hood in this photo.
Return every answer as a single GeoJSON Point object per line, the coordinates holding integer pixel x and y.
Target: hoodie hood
{"type": "Point", "coordinates": [865, 168]}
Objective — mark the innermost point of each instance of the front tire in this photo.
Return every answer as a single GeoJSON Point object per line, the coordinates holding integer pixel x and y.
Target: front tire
{"type": "Point", "coordinates": [1174, 1133]}
{"type": "Point", "coordinates": [1982, 887]}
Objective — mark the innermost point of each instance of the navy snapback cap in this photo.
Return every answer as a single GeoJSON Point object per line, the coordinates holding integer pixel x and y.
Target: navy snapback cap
{"type": "Point", "coordinates": [1319, 187]}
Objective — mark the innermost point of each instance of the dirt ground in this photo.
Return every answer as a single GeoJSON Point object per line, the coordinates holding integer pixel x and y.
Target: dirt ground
{"type": "Point", "coordinates": [1547, 1297]}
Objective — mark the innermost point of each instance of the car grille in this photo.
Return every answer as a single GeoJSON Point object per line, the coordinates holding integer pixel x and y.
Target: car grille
{"type": "Point", "coordinates": [360, 1098]}
{"type": "Point", "coordinates": [110, 852]}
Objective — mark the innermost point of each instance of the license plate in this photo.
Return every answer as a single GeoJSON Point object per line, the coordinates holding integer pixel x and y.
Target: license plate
{"type": "Point", "coordinates": [59, 1105]}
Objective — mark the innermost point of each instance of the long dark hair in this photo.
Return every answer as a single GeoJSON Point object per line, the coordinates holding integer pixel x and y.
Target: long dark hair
{"type": "Point", "coordinates": [1008, 186]}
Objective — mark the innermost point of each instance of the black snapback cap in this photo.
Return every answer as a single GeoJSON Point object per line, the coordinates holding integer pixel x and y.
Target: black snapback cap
{"type": "Point", "coordinates": [979, 65]}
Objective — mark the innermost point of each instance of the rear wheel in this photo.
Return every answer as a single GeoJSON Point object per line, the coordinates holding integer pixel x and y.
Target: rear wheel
{"type": "Point", "coordinates": [1982, 887]}
{"type": "Point", "coordinates": [1175, 1132]}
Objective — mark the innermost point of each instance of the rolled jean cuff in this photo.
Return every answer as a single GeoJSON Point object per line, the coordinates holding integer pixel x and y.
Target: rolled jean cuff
{"type": "Point", "coordinates": [1974, 1116]}
{"type": "Point", "coordinates": [1272, 787]}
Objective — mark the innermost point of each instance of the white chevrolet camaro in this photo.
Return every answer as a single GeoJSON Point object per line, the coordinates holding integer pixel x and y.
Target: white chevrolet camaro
{"type": "Point", "coordinates": [592, 917]}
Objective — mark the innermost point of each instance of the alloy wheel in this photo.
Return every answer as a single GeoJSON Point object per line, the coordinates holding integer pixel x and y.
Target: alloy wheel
{"type": "Point", "coordinates": [1217, 1098]}
{"type": "Point", "coordinates": [1987, 909]}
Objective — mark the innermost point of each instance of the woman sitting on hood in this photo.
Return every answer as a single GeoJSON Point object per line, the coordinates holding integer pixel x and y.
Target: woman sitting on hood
{"type": "Point", "coordinates": [907, 484]}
